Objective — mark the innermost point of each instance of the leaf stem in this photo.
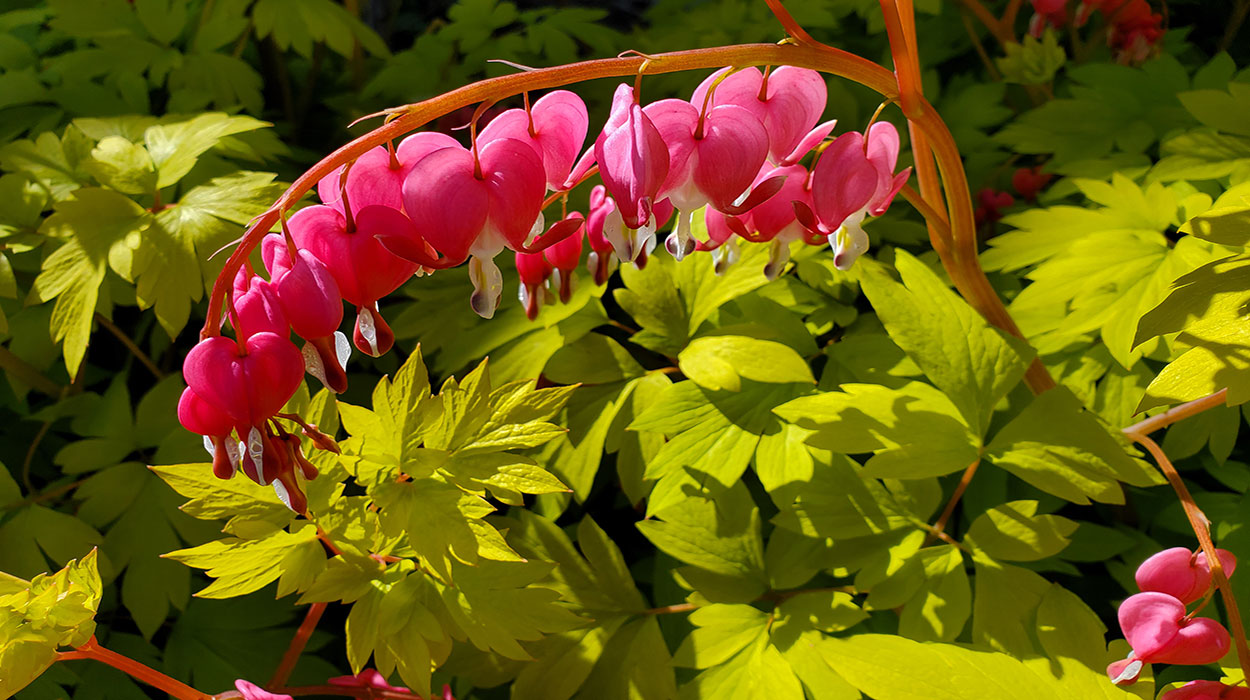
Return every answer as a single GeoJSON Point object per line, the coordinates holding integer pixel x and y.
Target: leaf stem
{"type": "Point", "coordinates": [1202, 530]}
{"type": "Point", "coordinates": [1176, 413]}
{"type": "Point", "coordinates": [296, 647]}
{"type": "Point", "coordinates": [939, 527]}
{"type": "Point", "coordinates": [133, 347]}
{"type": "Point", "coordinates": [156, 679]}
{"type": "Point", "coordinates": [27, 373]}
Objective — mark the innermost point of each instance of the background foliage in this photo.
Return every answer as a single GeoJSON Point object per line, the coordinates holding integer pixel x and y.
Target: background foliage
{"type": "Point", "coordinates": [682, 484]}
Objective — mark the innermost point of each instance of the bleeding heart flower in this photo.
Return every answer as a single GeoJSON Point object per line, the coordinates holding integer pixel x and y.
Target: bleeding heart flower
{"type": "Point", "coordinates": [311, 301]}
{"type": "Point", "coordinates": [534, 270]}
{"type": "Point", "coordinates": [564, 258]}
{"type": "Point", "coordinates": [853, 179]}
{"type": "Point", "coordinates": [363, 268]}
{"type": "Point", "coordinates": [605, 231]}
{"type": "Point", "coordinates": [1029, 181]}
{"type": "Point", "coordinates": [466, 204]}
{"type": "Point", "coordinates": [251, 691]}
{"type": "Point", "coordinates": [992, 204]}
{"type": "Point", "coordinates": [1207, 690]}
{"type": "Point", "coordinates": [555, 128]}
{"type": "Point", "coordinates": [1181, 573]}
{"type": "Point", "coordinates": [199, 416]}
{"type": "Point", "coordinates": [713, 160]}
{"type": "Point", "coordinates": [774, 220]}
{"type": "Point", "coordinates": [633, 164]}
{"type": "Point", "coordinates": [788, 106]}
{"type": "Point", "coordinates": [1156, 626]}
{"type": "Point", "coordinates": [377, 176]}
{"type": "Point", "coordinates": [258, 310]}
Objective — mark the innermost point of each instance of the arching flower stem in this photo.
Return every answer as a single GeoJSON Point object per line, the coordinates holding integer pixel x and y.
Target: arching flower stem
{"type": "Point", "coordinates": [156, 679]}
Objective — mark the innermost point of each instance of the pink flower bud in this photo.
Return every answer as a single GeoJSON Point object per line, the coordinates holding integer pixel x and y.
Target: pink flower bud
{"type": "Point", "coordinates": [258, 310]}
{"type": "Point", "coordinates": [251, 691]}
{"type": "Point", "coordinates": [533, 269]}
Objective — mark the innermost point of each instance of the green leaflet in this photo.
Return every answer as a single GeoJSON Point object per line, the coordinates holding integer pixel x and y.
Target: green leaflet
{"type": "Point", "coordinates": [722, 361]}
{"type": "Point", "coordinates": [243, 566]}
{"type": "Point", "coordinates": [1059, 447]}
{"type": "Point", "coordinates": [51, 610]}
{"type": "Point", "coordinates": [974, 364]}
{"type": "Point", "coordinates": [940, 608]}
{"type": "Point", "coordinates": [913, 432]}
{"type": "Point", "coordinates": [1014, 532]}
{"type": "Point", "coordinates": [711, 436]}
{"type": "Point", "coordinates": [720, 536]}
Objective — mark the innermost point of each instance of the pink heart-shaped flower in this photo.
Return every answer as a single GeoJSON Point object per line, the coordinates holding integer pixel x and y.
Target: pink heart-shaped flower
{"type": "Point", "coordinates": [843, 181]}
{"type": "Point", "coordinates": [363, 269]}
{"type": "Point", "coordinates": [633, 158]}
{"type": "Point", "coordinates": [247, 385]}
{"type": "Point", "coordinates": [1181, 573]}
{"type": "Point", "coordinates": [1156, 627]}
{"type": "Point", "coordinates": [559, 125]}
{"type": "Point", "coordinates": [792, 104]}
{"type": "Point", "coordinates": [1207, 690]}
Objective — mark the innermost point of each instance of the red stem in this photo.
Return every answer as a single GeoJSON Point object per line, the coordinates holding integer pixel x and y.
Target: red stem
{"type": "Point", "coordinates": [298, 642]}
{"type": "Point", "coordinates": [136, 670]}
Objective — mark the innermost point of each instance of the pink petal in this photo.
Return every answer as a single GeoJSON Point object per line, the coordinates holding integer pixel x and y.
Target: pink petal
{"type": "Point", "coordinates": [776, 214]}
{"type": "Point", "coordinates": [274, 369]}
{"type": "Point", "coordinates": [516, 182]}
{"type": "Point", "coordinates": [254, 692]}
{"type": "Point", "coordinates": [1207, 690]}
{"type": "Point", "coordinates": [741, 89]}
{"type": "Point", "coordinates": [843, 180]}
{"type": "Point", "coordinates": [796, 99]}
{"type": "Point", "coordinates": [370, 180]}
{"type": "Point", "coordinates": [560, 124]}
{"type": "Point", "coordinates": [213, 370]}
{"type": "Point", "coordinates": [199, 416]}
{"type": "Point", "coordinates": [310, 298]}
{"type": "Point", "coordinates": [567, 254]}
{"type": "Point", "coordinates": [1173, 572]}
{"type": "Point", "coordinates": [633, 158]}
{"type": "Point", "coordinates": [1150, 621]}
{"type": "Point", "coordinates": [809, 141]}
{"type": "Point", "coordinates": [1200, 641]}
{"type": "Point", "coordinates": [733, 147]}
{"type": "Point", "coordinates": [676, 121]}
{"type": "Point", "coordinates": [446, 203]}
{"type": "Point", "coordinates": [420, 145]}
{"type": "Point", "coordinates": [259, 310]}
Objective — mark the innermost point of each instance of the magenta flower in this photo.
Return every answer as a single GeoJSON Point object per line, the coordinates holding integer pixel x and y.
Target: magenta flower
{"type": "Point", "coordinates": [1181, 573]}
{"type": "Point", "coordinates": [251, 691]}
{"type": "Point", "coordinates": [633, 163]}
{"type": "Point", "coordinates": [1207, 690]}
{"type": "Point", "coordinates": [533, 271]}
{"type": "Point", "coordinates": [555, 127]}
{"type": "Point", "coordinates": [201, 417]}
{"type": "Point", "coordinates": [788, 106]}
{"type": "Point", "coordinates": [256, 307]}
{"type": "Point", "coordinates": [362, 267]}
{"type": "Point", "coordinates": [1156, 626]}
{"type": "Point", "coordinates": [714, 157]}
{"type": "Point", "coordinates": [313, 305]}
{"type": "Point", "coordinates": [851, 181]}
{"type": "Point", "coordinates": [377, 176]}
{"type": "Point", "coordinates": [565, 257]}
{"type": "Point", "coordinates": [368, 678]}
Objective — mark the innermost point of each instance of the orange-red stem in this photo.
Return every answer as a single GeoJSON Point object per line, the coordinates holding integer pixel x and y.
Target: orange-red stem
{"type": "Point", "coordinates": [156, 679]}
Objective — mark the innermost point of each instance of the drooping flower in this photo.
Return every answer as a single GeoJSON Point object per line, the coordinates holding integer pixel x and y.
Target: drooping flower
{"type": "Point", "coordinates": [533, 271]}
{"type": "Point", "coordinates": [564, 258]}
{"type": "Point", "coordinates": [714, 157]}
{"type": "Point", "coordinates": [774, 220]}
{"type": "Point", "coordinates": [1028, 182]}
{"type": "Point", "coordinates": [605, 233]}
{"type": "Point", "coordinates": [991, 204]}
{"type": "Point", "coordinates": [364, 270]}
{"type": "Point", "coordinates": [377, 176]}
{"type": "Point", "coordinates": [312, 304]}
{"type": "Point", "coordinates": [788, 102]}
{"type": "Point", "coordinates": [633, 164]}
{"type": "Point", "coordinates": [1181, 573]}
{"type": "Point", "coordinates": [853, 178]}
{"type": "Point", "coordinates": [201, 417]}
{"type": "Point", "coordinates": [251, 691]}
{"type": "Point", "coordinates": [555, 127]}
{"type": "Point", "coordinates": [1159, 631]}
{"type": "Point", "coordinates": [368, 678]}
{"type": "Point", "coordinates": [256, 307]}
{"type": "Point", "coordinates": [1207, 690]}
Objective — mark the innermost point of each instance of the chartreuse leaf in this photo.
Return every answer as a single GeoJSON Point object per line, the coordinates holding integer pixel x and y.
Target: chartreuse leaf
{"type": "Point", "coordinates": [711, 436]}
{"type": "Point", "coordinates": [1006, 596]}
{"type": "Point", "coordinates": [239, 500]}
{"type": "Point", "coordinates": [176, 147]}
{"type": "Point", "coordinates": [639, 666]}
{"type": "Point", "coordinates": [1015, 532]}
{"type": "Point", "coordinates": [56, 163]}
{"type": "Point", "coordinates": [1227, 222]}
{"type": "Point", "coordinates": [670, 300]}
{"type": "Point", "coordinates": [1063, 449]}
{"type": "Point", "coordinates": [913, 432]}
{"type": "Point", "coordinates": [92, 223]}
{"type": "Point", "coordinates": [243, 566]}
{"type": "Point", "coordinates": [940, 608]}
{"type": "Point", "coordinates": [886, 667]}
{"type": "Point", "coordinates": [1072, 637]}
{"type": "Point", "coordinates": [722, 361]}
{"type": "Point", "coordinates": [50, 611]}
{"type": "Point", "coordinates": [973, 363]}
{"type": "Point", "coordinates": [37, 534]}
{"type": "Point", "coordinates": [719, 536]}
{"type": "Point", "coordinates": [838, 503]}
{"type": "Point", "coordinates": [758, 670]}
{"type": "Point", "coordinates": [122, 165]}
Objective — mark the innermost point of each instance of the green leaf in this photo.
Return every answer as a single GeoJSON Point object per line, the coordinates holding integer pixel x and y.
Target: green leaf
{"type": "Point", "coordinates": [720, 632]}
{"type": "Point", "coordinates": [175, 148]}
{"type": "Point", "coordinates": [243, 566]}
{"type": "Point", "coordinates": [213, 499]}
{"type": "Point", "coordinates": [721, 361]}
{"type": "Point", "coordinates": [122, 165]}
{"type": "Point", "coordinates": [941, 607]}
{"type": "Point", "coordinates": [36, 534]}
{"type": "Point", "coordinates": [1073, 638]}
{"type": "Point", "coordinates": [638, 665]}
{"type": "Point", "coordinates": [758, 670]}
{"type": "Point", "coordinates": [497, 604]}
{"type": "Point", "coordinates": [92, 224]}
{"type": "Point", "coordinates": [837, 502]}
{"type": "Point", "coordinates": [1063, 449]}
{"type": "Point", "coordinates": [1227, 222]}
{"type": "Point", "coordinates": [298, 23]}
{"type": "Point", "coordinates": [720, 535]}
{"type": "Point", "coordinates": [1218, 108]}
{"type": "Point", "coordinates": [913, 432]}
{"type": "Point", "coordinates": [1006, 598]}
{"type": "Point", "coordinates": [711, 436]}
{"type": "Point", "coordinates": [886, 667]}
{"type": "Point", "coordinates": [974, 364]}
{"type": "Point", "coordinates": [1033, 62]}
{"type": "Point", "coordinates": [1014, 532]}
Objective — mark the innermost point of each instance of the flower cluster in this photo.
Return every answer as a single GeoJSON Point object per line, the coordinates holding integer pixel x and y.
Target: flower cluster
{"type": "Point", "coordinates": [735, 150]}
{"type": "Point", "coordinates": [1133, 28]}
{"type": "Point", "coordinates": [1159, 629]}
